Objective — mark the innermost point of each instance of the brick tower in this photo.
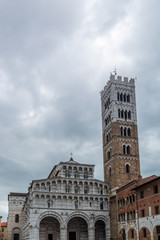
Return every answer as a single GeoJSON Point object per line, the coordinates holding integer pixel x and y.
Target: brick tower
{"type": "Point", "coordinates": [120, 138]}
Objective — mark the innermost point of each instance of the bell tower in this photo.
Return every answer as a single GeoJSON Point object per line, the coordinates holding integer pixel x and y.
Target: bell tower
{"type": "Point", "coordinates": [120, 139]}
{"type": "Point", "coordinates": [120, 136]}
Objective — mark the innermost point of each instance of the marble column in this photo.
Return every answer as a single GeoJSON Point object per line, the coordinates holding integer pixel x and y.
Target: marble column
{"type": "Point", "coordinates": [63, 233]}
{"type": "Point", "coordinates": [91, 233]}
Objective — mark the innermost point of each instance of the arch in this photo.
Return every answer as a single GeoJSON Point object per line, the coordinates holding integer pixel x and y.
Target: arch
{"type": "Point", "coordinates": [16, 233]}
{"type": "Point", "coordinates": [156, 232]}
{"type": "Point", "coordinates": [77, 228]}
{"type": "Point", "coordinates": [100, 230]}
{"type": "Point", "coordinates": [49, 228]}
{"type": "Point", "coordinates": [78, 214]}
{"type": "Point", "coordinates": [144, 233]}
{"type": "Point", "coordinates": [132, 234]}
{"type": "Point", "coordinates": [49, 214]}
{"type": "Point", "coordinates": [122, 234]}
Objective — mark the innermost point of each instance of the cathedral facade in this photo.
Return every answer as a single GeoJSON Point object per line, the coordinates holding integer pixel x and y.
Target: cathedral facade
{"type": "Point", "coordinates": [69, 204]}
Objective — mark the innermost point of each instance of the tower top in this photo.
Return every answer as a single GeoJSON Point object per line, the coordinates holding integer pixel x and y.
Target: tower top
{"type": "Point", "coordinates": [116, 79]}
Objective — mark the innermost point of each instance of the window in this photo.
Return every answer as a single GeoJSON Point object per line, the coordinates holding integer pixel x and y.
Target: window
{"type": "Point", "coordinates": [132, 233]}
{"type": "Point", "coordinates": [144, 233]}
{"type": "Point", "coordinates": [129, 115]}
{"type": "Point", "coordinates": [76, 204]}
{"type": "Point", "coordinates": [155, 189]}
{"type": "Point", "coordinates": [129, 132]}
{"type": "Point", "coordinates": [118, 96]}
{"type": "Point", "coordinates": [85, 175]}
{"type": "Point", "coordinates": [68, 174]}
{"type": "Point", "coordinates": [127, 168]}
{"type": "Point", "coordinates": [121, 97]}
{"type": "Point", "coordinates": [125, 131]}
{"type": "Point", "coordinates": [101, 205]}
{"type": "Point", "coordinates": [156, 209]}
{"type": "Point", "coordinates": [122, 114]}
{"type": "Point", "coordinates": [158, 229]}
{"type": "Point", "coordinates": [128, 149]}
{"type": "Point", "coordinates": [128, 98]}
{"type": "Point", "coordinates": [68, 189]}
{"type": "Point", "coordinates": [85, 190]}
{"type": "Point", "coordinates": [76, 174]}
{"type": "Point", "coordinates": [16, 218]}
{"type": "Point", "coordinates": [109, 154]}
{"type": "Point", "coordinates": [2, 229]}
{"type": "Point", "coordinates": [142, 194]}
{"type": "Point", "coordinates": [49, 204]}
{"type": "Point", "coordinates": [119, 113]}
{"type": "Point", "coordinates": [124, 149]}
{"type": "Point", "coordinates": [143, 213]}
{"type": "Point", "coordinates": [121, 131]}
{"type": "Point", "coordinates": [76, 190]}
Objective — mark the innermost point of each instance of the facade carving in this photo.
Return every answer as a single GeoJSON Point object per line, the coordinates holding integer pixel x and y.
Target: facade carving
{"type": "Point", "coordinates": [69, 204]}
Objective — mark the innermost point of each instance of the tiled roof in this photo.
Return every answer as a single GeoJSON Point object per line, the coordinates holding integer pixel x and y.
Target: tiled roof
{"type": "Point", "coordinates": [4, 224]}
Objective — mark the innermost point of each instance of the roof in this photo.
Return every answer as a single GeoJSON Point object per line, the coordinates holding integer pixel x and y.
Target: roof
{"type": "Point", "coordinates": [71, 161]}
{"type": "Point", "coordinates": [146, 183]}
{"type": "Point", "coordinates": [4, 224]}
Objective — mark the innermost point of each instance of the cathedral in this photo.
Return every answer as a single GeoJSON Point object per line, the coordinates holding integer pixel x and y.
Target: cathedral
{"type": "Point", "coordinates": [70, 204]}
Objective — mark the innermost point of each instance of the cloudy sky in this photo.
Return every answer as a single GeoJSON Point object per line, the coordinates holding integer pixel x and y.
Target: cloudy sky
{"type": "Point", "coordinates": [55, 58]}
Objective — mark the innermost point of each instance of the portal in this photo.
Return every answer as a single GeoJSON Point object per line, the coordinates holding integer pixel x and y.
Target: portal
{"type": "Point", "coordinates": [72, 235]}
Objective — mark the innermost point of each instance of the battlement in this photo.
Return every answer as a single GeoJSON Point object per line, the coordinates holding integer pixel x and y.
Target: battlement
{"type": "Point", "coordinates": [118, 79]}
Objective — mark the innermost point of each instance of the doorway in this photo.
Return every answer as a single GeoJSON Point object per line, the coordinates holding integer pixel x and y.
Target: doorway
{"type": "Point", "coordinates": [50, 236]}
{"type": "Point", "coordinates": [16, 236]}
{"type": "Point", "coordinates": [72, 235]}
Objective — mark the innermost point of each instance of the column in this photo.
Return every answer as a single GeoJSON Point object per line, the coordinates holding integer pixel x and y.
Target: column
{"type": "Point", "coordinates": [91, 233]}
{"type": "Point", "coordinates": [63, 233]}
{"type": "Point", "coordinates": [107, 232]}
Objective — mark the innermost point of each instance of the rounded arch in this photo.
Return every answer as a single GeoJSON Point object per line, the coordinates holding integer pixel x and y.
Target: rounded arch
{"type": "Point", "coordinates": [156, 232]}
{"type": "Point", "coordinates": [78, 214]}
{"type": "Point", "coordinates": [49, 214]}
{"type": "Point", "coordinates": [132, 233]}
{"type": "Point", "coordinates": [144, 233]}
{"type": "Point", "coordinates": [100, 228]}
{"type": "Point", "coordinates": [102, 218]}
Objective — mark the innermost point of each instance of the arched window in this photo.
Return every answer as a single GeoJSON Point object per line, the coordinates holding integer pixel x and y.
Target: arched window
{"type": "Point", "coordinates": [128, 149]}
{"type": "Point", "coordinates": [16, 218]}
{"type": "Point", "coordinates": [68, 189]}
{"type": "Point", "coordinates": [109, 153]}
{"type": "Point", "coordinates": [119, 113]}
{"type": "Point", "coordinates": [86, 190]}
{"type": "Point", "coordinates": [118, 96]}
{"type": "Point", "coordinates": [76, 190]}
{"type": "Point", "coordinates": [124, 149]}
{"type": "Point", "coordinates": [129, 132]}
{"type": "Point", "coordinates": [124, 97]}
{"type": "Point", "coordinates": [121, 97]}
{"type": "Point", "coordinates": [101, 205]}
{"type": "Point", "coordinates": [127, 168]}
{"type": "Point", "coordinates": [121, 131]}
{"type": "Point", "coordinates": [76, 204]}
{"type": "Point", "coordinates": [129, 115]}
{"type": "Point", "coordinates": [68, 174]}
{"type": "Point", "coordinates": [122, 114]}
{"type": "Point", "coordinates": [128, 98]}
{"type": "Point", "coordinates": [125, 132]}
{"type": "Point", "coordinates": [126, 115]}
